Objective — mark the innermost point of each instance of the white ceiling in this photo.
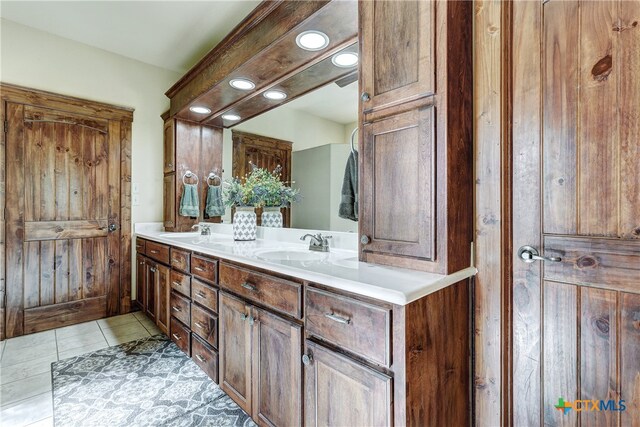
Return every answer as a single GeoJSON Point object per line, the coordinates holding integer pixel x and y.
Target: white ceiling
{"type": "Point", "coordinates": [331, 102]}
{"type": "Point", "coordinates": [169, 34]}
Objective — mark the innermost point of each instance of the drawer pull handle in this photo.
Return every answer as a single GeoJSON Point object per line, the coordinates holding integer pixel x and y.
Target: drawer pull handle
{"type": "Point", "coordinates": [153, 270]}
{"type": "Point", "coordinates": [199, 268]}
{"type": "Point", "coordinates": [199, 325]}
{"type": "Point", "coordinates": [248, 286]}
{"type": "Point", "coordinates": [154, 251]}
{"type": "Point", "coordinates": [201, 294]}
{"type": "Point", "coordinates": [176, 309]}
{"type": "Point", "coordinates": [177, 337]}
{"type": "Point", "coordinates": [200, 358]}
{"type": "Point", "coordinates": [336, 318]}
{"type": "Point", "coordinates": [176, 260]}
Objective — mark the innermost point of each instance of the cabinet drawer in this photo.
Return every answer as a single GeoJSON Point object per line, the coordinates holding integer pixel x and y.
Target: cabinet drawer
{"type": "Point", "coordinates": [181, 283]}
{"type": "Point", "coordinates": [204, 295]}
{"type": "Point", "coordinates": [279, 294]}
{"type": "Point", "coordinates": [180, 260]}
{"type": "Point", "coordinates": [205, 357]}
{"type": "Point", "coordinates": [204, 268]}
{"type": "Point", "coordinates": [158, 252]}
{"type": "Point", "coordinates": [205, 325]}
{"type": "Point", "coordinates": [140, 245]}
{"type": "Point", "coordinates": [180, 308]}
{"type": "Point", "coordinates": [181, 336]}
{"type": "Point", "coordinates": [359, 327]}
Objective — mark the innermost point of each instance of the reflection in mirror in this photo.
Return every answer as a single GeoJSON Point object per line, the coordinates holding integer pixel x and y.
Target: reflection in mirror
{"type": "Point", "coordinates": [319, 126]}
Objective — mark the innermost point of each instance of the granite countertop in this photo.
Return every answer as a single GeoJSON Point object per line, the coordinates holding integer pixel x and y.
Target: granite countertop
{"type": "Point", "coordinates": [338, 269]}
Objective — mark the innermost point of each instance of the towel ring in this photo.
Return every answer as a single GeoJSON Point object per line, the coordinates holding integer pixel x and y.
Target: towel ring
{"type": "Point", "coordinates": [353, 133]}
{"type": "Point", "coordinates": [189, 174]}
{"type": "Point", "coordinates": [213, 176]}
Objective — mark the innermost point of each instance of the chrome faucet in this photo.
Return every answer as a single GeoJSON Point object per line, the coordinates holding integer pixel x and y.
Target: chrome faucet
{"type": "Point", "coordinates": [204, 229]}
{"type": "Point", "coordinates": [318, 242]}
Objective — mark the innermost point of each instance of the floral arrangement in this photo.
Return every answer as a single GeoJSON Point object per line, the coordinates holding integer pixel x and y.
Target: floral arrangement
{"type": "Point", "coordinates": [260, 188]}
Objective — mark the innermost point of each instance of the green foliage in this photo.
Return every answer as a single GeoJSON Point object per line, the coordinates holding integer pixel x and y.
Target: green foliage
{"type": "Point", "coordinates": [260, 188]}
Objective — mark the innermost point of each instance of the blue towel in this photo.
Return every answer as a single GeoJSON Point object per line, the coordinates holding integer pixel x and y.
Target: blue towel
{"type": "Point", "coordinates": [214, 206]}
{"type": "Point", "coordinates": [189, 205]}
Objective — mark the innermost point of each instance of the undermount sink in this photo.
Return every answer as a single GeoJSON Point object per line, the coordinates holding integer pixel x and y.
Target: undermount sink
{"type": "Point", "coordinates": [290, 255]}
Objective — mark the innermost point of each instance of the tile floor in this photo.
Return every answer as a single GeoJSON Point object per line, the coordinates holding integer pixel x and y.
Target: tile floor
{"type": "Point", "coordinates": [25, 363]}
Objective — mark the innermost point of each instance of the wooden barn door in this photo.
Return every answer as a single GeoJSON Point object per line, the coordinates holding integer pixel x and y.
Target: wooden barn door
{"type": "Point", "coordinates": [263, 152]}
{"type": "Point", "coordinates": [63, 205]}
{"type": "Point", "coordinates": [576, 201]}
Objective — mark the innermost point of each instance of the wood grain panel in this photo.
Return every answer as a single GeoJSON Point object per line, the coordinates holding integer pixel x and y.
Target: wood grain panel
{"type": "Point", "coordinates": [76, 173]}
{"type": "Point", "coordinates": [62, 271]}
{"type": "Point", "coordinates": [205, 325]}
{"type": "Point", "coordinates": [76, 291]}
{"type": "Point", "coordinates": [54, 230]}
{"type": "Point", "coordinates": [205, 357]}
{"type": "Point", "coordinates": [101, 167]}
{"type": "Point", "coordinates": [31, 274]}
{"type": "Point", "coordinates": [89, 174]}
{"type": "Point", "coordinates": [629, 360]}
{"type": "Point", "coordinates": [120, 258]}
{"type": "Point", "coordinates": [277, 373]}
{"type": "Point", "coordinates": [560, 357]}
{"type": "Point", "coordinates": [88, 276]}
{"type": "Point", "coordinates": [47, 274]}
{"type": "Point", "coordinates": [628, 64]}
{"type": "Point", "coordinates": [598, 146]}
{"type": "Point", "coordinates": [527, 360]}
{"type": "Point", "coordinates": [598, 353]}
{"type": "Point", "coordinates": [560, 97]}
{"type": "Point", "coordinates": [614, 264]}
{"type": "Point", "coordinates": [63, 148]}
{"type": "Point", "coordinates": [180, 335]}
{"type": "Point", "coordinates": [46, 173]}
{"type": "Point", "coordinates": [16, 202]}
{"type": "Point", "coordinates": [32, 149]}
{"type": "Point", "coordinates": [68, 313]}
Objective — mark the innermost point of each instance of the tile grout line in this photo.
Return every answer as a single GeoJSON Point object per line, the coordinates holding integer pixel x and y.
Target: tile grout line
{"type": "Point", "coordinates": [17, 402]}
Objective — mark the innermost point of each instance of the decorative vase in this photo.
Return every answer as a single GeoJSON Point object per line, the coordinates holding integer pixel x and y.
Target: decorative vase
{"type": "Point", "coordinates": [244, 224]}
{"type": "Point", "coordinates": [271, 217]}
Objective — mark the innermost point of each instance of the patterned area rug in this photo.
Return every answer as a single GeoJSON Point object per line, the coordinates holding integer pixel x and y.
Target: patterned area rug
{"type": "Point", "coordinates": [147, 382]}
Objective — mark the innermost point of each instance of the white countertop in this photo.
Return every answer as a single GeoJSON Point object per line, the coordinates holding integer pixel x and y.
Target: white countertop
{"type": "Point", "coordinates": [339, 268]}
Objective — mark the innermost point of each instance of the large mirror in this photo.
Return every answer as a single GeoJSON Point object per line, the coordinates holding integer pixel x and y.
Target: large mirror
{"type": "Point", "coordinates": [310, 137]}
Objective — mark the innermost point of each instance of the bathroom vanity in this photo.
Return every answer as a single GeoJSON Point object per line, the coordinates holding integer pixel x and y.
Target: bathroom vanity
{"type": "Point", "coordinates": [325, 340]}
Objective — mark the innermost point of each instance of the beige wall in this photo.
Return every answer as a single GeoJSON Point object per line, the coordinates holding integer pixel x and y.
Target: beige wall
{"type": "Point", "coordinates": [39, 60]}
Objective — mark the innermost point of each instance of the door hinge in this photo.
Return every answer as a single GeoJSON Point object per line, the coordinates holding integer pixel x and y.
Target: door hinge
{"type": "Point", "coordinates": [6, 126]}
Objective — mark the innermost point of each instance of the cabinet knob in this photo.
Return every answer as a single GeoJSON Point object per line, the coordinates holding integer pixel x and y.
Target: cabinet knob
{"type": "Point", "coordinates": [365, 96]}
{"type": "Point", "coordinates": [365, 240]}
{"type": "Point", "coordinates": [307, 359]}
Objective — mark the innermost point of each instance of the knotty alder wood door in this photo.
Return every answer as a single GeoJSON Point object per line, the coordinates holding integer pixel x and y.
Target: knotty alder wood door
{"type": "Point", "coordinates": [63, 218]}
{"type": "Point", "coordinates": [576, 196]}
{"type": "Point", "coordinates": [268, 153]}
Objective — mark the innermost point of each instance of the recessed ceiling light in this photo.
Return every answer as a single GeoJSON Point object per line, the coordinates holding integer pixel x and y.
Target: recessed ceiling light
{"type": "Point", "coordinates": [242, 84]}
{"type": "Point", "coordinates": [274, 94]}
{"type": "Point", "coordinates": [232, 117]}
{"type": "Point", "coordinates": [200, 110]}
{"type": "Point", "coordinates": [312, 40]}
{"type": "Point", "coordinates": [345, 60]}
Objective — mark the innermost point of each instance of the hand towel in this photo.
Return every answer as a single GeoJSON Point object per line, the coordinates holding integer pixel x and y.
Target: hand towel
{"type": "Point", "coordinates": [214, 206]}
{"type": "Point", "coordinates": [189, 205]}
{"type": "Point", "coordinates": [349, 204]}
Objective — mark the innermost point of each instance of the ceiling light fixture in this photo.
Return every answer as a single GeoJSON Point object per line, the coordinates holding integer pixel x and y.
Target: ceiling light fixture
{"type": "Point", "coordinates": [231, 117]}
{"type": "Point", "coordinates": [276, 95]}
{"type": "Point", "coordinates": [345, 59]}
{"type": "Point", "coordinates": [242, 84]}
{"type": "Point", "coordinates": [200, 110]}
{"type": "Point", "coordinates": [312, 40]}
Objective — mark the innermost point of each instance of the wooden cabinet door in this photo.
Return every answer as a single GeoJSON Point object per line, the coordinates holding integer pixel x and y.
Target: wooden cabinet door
{"type": "Point", "coordinates": [235, 350]}
{"type": "Point", "coordinates": [163, 289]}
{"type": "Point", "coordinates": [151, 270]}
{"type": "Point", "coordinates": [277, 370]}
{"type": "Point", "coordinates": [169, 201]}
{"type": "Point", "coordinates": [169, 147]}
{"type": "Point", "coordinates": [141, 282]}
{"type": "Point", "coordinates": [339, 391]}
{"type": "Point", "coordinates": [397, 210]}
{"type": "Point", "coordinates": [397, 51]}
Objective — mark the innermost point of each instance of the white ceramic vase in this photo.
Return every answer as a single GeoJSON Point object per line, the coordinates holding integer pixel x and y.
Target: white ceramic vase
{"type": "Point", "coordinates": [271, 217]}
{"type": "Point", "coordinates": [244, 224]}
